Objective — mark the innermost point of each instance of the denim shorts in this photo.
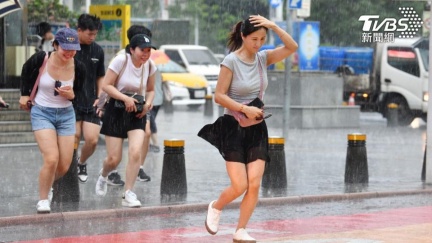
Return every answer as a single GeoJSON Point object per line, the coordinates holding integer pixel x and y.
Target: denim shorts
{"type": "Point", "coordinates": [60, 119]}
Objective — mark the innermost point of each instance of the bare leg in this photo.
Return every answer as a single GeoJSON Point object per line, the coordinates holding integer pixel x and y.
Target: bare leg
{"type": "Point", "coordinates": [114, 147]}
{"type": "Point", "coordinates": [255, 171]}
{"type": "Point", "coordinates": [238, 176]}
{"type": "Point", "coordinates": [136, 140]}
{"type": "Point", "coordinates": [154, 138]}
{"type": "Point", "coordinates": [91, 137]}
{"type": "Point", "coordinates": [146, 143]}
{"type": "Point", "coordinates": [66, 148]}
{"type": "Point", "coordinates": [47, 141]}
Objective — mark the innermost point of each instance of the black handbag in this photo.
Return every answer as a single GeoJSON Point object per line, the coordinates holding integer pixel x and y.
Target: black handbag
{"type": "Point", "coordinates": [139, 105]}
{"type": "Point", "coordinates": [140, 98]}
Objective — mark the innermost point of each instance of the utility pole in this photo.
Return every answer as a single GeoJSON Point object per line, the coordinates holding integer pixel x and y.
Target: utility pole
{"type": "Point", "coordinates": [287, 86]}
{"type": "Point", "coordinates": [429, 112]}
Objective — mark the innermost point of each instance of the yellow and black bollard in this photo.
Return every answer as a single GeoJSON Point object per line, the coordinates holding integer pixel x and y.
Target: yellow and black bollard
{"type": "Point", "coordinates": [356, 167]}
{"type": "Point", "coordinates": [208, 105]}
{"type": "Point", "coordinates": [392, 115]}
{"type": "Point", "coordinates": [275, 176]}
{"type": "Point", "coordinates": [66, 189]}
{"type": "Point", "coordinates": [173, 180]}
{"type": "Point", "coordinates": [423, 172]}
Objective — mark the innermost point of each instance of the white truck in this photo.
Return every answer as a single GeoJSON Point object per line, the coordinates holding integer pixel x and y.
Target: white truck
{"type": "Point", "coordinates": [399, 75]}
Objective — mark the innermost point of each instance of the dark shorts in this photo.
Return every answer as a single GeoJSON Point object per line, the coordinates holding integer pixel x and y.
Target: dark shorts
{"type": "Point", "coordinates": [236, 143]}
{"type": "Point", "coordinates": [87, 115]}
{"type": "Point", "coordinates": [153, 114]}
{"type": "Point", "coordinates": [117, 122]}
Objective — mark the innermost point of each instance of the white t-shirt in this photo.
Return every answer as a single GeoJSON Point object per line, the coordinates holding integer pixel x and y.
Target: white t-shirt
{"type": "Point", "coordinates": [130, 80]}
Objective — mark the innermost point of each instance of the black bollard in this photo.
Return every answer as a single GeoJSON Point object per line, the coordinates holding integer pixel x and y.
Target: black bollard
{"type": "Point", "coordinates": [356, 167]}
{"type": "Point", "coordinates": [423, 173]}
{"type": "Point", "coordinates": [392, 115]}
{"type": "Point", "coordinates": [208, 105]}
{"type": "Point", "coordinates": [66, 189]}
{"type": "Point", "coordinates": [275, 176]}
{"type": "Point", "coordinates": [173, 180]}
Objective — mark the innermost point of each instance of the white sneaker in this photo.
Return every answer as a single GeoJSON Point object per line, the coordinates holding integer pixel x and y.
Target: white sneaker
{"type": "Point", "coordinates": [241, 236]}
{"type": "Point", "coordinates": [43, 206]}
{"type": "Point", "coordinates": [212, 220]}
{"type": "Point", "coordinates": [101, 186]}
{"type": "Point", "coordinates": [50, 195]}
{"type": "Point", "coordinates": [130, 200]}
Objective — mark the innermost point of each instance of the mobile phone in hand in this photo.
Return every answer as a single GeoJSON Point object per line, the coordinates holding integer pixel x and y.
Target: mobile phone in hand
{"type": "Point", "coordinates": [57, 84]}
{"type": "Point", "coordinates": [268, 115]}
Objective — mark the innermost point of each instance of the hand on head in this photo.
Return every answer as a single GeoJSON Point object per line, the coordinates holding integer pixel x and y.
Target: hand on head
{"type": "Point", "coordinates": [258, 20]}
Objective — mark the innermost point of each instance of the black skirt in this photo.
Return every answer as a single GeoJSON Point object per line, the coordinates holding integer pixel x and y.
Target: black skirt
{"type": "Point", "coordinates": [236, 143]}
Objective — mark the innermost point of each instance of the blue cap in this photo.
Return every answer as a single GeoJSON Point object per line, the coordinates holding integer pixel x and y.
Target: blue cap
{"type": "Point", "coordinates": [68, 39]}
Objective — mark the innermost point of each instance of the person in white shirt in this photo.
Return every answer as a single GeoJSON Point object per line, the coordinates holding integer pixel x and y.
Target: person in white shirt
{"type": "Point", "coordinates": [131, 73]}
{"type": "Point", "coordinates": [45, 32]}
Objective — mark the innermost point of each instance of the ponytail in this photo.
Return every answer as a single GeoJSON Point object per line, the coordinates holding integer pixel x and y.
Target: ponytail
{"type": "Point", "coordinates": [235, 40]}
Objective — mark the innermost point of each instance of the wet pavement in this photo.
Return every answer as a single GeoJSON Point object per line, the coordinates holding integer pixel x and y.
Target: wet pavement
{"type": "Point", "coordinates": [397, 219]}
{"type": "Point", "coordinates": [315, 164]}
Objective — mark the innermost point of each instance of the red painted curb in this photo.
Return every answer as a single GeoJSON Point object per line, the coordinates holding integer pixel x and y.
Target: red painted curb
{"type": "Point", "coordinates": [143, 211]}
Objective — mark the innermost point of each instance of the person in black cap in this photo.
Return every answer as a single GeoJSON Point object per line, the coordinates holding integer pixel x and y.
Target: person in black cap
{"type": "Point", "coordinates": [51, 112]}
{"type": "Point", "coordinates": [44, 31]}
{"type": "Point", "coordinates": [114, 177]}
{"type": "Point", "coordinates": [130, 73]}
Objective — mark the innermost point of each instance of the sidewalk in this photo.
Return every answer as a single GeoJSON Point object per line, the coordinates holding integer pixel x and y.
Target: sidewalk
{"type": "Point", "coordinates": [315, 162]}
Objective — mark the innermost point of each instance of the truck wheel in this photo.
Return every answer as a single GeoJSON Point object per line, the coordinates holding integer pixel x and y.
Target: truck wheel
{"type": "Point", "coordinates": [405, 115]}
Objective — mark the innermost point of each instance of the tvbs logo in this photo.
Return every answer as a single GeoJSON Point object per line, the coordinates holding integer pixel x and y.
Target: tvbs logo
{"type": "Point", "coordinates": [408, 25]}
{"type": "Point", "coordinates": [372, 23]}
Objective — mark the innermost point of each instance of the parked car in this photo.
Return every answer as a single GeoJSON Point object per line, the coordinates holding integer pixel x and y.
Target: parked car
{"type": "Point", "coordinates": [186, 88]}
{"type": "Point", "coordinates": [195, 59]}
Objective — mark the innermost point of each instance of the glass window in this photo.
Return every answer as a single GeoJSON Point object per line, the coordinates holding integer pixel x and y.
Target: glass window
{"type": "Point", "coordinates": [171, 67]}
{"type": "Point", "coordinates": [200, 57]}
{"type": "Point", "coordinates": [403, 59]}
{"type": "Point", "coordinates": [424, 53]}
{"type": "Point", "coordinates": [175, 56]}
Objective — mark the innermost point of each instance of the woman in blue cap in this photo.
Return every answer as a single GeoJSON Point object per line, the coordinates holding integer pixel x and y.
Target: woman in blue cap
{"type": "Point", "coordinates": [49, 81]}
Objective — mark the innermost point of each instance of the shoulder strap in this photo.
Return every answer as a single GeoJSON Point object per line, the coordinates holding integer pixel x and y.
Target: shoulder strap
{"type": "Point", "coordinates": [142, 77]}
{"type": "Point", "coordinates": [121, 70]}
{"type": "Point", "coordinates": [260, 69]}
{"type": "Point", "coordinates": [41, 69]}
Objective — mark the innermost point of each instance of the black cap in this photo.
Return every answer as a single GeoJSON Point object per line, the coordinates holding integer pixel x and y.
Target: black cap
{"type": "Point", "coordinates": [141, 41]}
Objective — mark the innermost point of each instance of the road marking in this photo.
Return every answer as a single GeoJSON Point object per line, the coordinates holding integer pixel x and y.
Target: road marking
{"type": "Point", "coordinates": [395, 225]}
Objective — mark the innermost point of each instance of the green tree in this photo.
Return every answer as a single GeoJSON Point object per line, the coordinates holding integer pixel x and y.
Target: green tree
{"type": "Point", "coordinates": [50, 11]}
{"type": "Point", "coordinates": [216, 17]}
